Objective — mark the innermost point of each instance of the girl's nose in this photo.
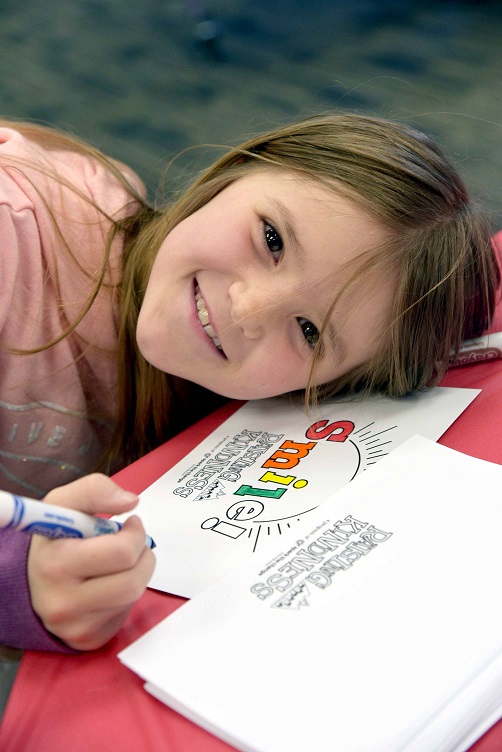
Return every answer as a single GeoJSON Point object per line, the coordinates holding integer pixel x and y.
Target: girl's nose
{"type": "Point", "coordinates": [250, 308]}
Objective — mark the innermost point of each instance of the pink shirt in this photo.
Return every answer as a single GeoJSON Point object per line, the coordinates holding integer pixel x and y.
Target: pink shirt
{"type": "Point", "coordinates": [57, 407]}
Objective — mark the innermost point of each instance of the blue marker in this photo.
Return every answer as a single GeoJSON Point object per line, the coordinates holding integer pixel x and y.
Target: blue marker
{"type": "Point", "coordinates": [30, 516]}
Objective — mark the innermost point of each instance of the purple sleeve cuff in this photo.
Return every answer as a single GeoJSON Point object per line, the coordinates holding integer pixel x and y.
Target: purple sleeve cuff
{"type": "Point", "coordinates": [20, 627]}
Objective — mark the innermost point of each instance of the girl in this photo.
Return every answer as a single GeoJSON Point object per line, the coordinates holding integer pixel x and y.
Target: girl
{"type": "Point", "coordinates": [334, 255]}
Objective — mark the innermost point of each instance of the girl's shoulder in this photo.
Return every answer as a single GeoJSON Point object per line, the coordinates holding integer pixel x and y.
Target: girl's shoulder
{"type": "Point", "coordinates": [36, 162]}
{"type": "Point", "coordinates": [58, 202]}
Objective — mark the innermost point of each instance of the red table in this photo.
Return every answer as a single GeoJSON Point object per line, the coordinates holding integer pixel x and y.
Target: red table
{"type": "Point", "coordinates": [92, 703]}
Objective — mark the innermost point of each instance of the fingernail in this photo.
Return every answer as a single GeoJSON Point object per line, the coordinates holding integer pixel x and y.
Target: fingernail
{"type": "Point", "coordinates": [125, 497]}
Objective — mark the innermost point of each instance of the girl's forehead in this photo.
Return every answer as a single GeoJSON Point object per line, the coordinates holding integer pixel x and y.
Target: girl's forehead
{"type": "Point", "coordinates": [321, 193]}
{"type": "Point", "coordinates": [281, 176]}
{"type": "Point", "coordinates": [315, 206]}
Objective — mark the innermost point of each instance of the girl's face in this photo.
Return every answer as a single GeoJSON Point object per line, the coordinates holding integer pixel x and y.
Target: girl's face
{"type": "Point", "coordinates": [239, 289]}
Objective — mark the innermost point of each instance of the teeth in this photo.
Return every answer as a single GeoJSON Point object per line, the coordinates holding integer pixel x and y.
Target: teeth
{"type": "Point", "coordinates": [204, 319]}
{"type": "Point", "coordinates": [203, 316]}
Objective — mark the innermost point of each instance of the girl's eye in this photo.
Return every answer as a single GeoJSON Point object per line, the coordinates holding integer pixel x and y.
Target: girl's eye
{"type": "Point", "coordinates": [309, 331]}
{"type": "Point", "coordinates": [273, 241]}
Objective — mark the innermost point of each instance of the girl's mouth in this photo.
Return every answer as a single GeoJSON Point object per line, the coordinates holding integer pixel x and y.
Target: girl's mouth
{"type": "Point", "coordinates": [204, 319]}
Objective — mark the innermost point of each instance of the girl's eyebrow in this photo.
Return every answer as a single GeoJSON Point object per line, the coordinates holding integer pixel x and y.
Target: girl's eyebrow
{"type": "Point", "coordinates": [288, 221]}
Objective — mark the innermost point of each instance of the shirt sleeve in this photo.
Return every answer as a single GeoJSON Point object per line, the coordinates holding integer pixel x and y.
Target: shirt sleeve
{"type": "Point", "coordinates": [20, 627]}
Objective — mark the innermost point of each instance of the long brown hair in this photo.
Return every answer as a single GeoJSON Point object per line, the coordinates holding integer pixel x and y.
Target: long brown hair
{"type": "Point", "coordinates": [439, 248]}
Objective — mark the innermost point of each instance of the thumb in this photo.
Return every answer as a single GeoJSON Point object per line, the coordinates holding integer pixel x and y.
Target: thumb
{"type": "Point", "coordinates": [93, 494]}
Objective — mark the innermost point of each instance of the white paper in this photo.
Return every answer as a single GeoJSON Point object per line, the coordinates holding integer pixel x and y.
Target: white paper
{"type": "Point", "coordinates": [389, 639]}
{"type": "Point", "coordinates": [204, 527]}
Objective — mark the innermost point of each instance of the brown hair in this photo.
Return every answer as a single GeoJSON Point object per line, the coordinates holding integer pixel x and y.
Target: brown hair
{"type": "Point", "coordinates": [439, 248]}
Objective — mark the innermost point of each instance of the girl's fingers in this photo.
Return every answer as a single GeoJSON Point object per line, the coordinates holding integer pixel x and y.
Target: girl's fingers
{"type": "Point", "coordinates": [93, 494]}
{"type": "Point", "coordinates": [98, 607]}
{"type": "Point", "coordinates": [82, 590]}
{"type": "Point", "coordinates": [117, 591]}
{"type": "Point", "coordinates": [92, 630]}
{"type": "Point", "coordinates": [79, 560]}
{"type": "Point", "coordinates": [85, 614]}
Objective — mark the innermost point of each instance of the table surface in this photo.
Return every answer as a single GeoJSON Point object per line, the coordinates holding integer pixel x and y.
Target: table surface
{"type": "Point", "coordinates": [92, 702]}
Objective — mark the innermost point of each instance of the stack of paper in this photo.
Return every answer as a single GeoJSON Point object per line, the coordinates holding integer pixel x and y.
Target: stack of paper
{"type": "Point", "coordinates": [376, 624]}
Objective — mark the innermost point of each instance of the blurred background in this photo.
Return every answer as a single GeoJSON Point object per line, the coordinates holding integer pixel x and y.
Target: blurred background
{"type": "Point", "coordinates": [145, 79]}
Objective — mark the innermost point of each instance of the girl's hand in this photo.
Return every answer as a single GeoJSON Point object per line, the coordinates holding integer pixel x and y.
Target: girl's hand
{"type": "Point", "coordinates": [83, 589]}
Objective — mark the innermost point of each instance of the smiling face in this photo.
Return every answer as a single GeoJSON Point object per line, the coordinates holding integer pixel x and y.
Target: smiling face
{"type": "Point", "coordinates": [239, 289]}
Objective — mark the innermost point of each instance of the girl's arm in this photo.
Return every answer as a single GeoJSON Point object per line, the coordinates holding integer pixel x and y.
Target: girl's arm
{"type": "Point", "coordinates": [82, 590]}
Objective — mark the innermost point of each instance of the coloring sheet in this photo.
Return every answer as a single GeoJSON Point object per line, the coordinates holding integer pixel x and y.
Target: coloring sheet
{"type": "Point", "coordinates": [376, 624]}
{"type": "Point", "coordinates": [266, 469]}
